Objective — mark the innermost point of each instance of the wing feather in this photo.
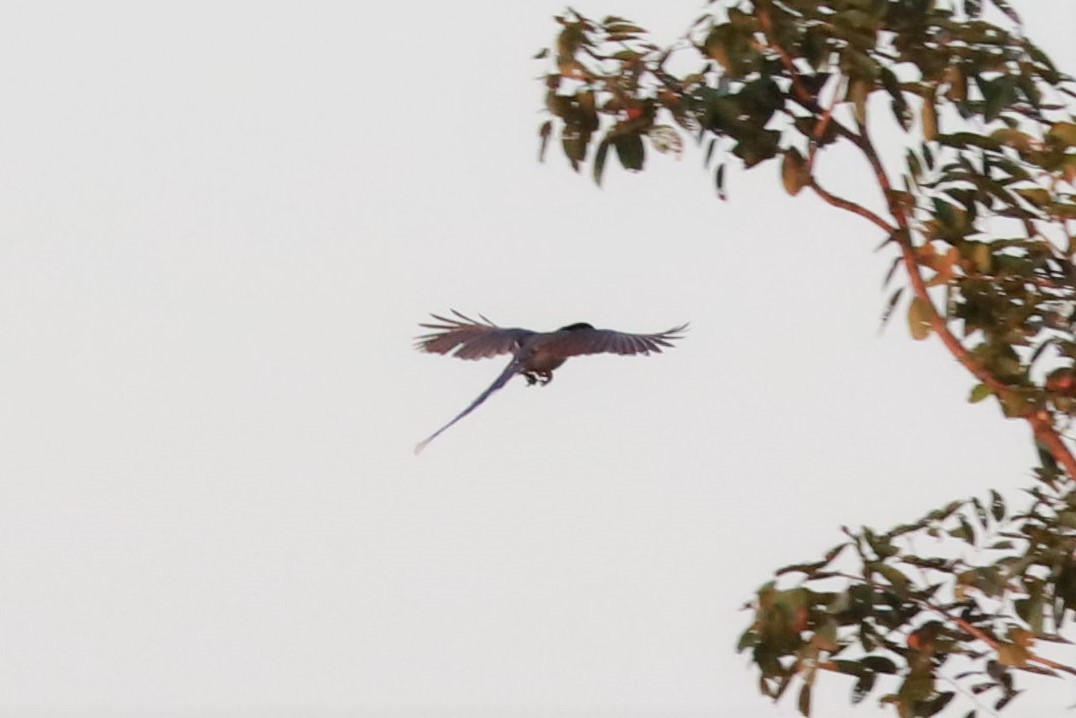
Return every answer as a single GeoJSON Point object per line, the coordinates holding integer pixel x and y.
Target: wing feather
{"type": "Point", "coordinates": [467, 338]}
{"type": "Point", "coordinates": [577, 342]}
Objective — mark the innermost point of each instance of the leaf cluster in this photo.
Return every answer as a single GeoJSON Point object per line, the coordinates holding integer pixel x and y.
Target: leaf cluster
{"type": "Point", "coordinates": [920, 628]}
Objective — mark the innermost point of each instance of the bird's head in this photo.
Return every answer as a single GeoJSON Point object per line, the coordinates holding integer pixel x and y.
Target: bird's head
{"type": "Point", "coordinates": [575, 327]}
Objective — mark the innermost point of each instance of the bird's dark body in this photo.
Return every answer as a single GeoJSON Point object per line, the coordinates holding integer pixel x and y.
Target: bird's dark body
{"type": "Point", "coordinates": [542, 359]}
{"type": "Point", "coordinates": [534, 354]}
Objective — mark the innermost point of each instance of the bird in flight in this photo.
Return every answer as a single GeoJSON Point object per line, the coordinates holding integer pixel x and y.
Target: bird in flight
{"type": "Point", "coordinates": [534, 354]}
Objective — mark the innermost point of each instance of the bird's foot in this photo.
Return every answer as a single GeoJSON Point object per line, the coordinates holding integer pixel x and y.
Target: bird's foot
{"type": "Point", "coordinates": [541, 378]}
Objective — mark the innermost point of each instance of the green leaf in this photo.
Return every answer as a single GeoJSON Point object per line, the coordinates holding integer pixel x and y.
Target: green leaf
{"type": "Point", "coordinates": [1014, 169]}
{"type": "Point", "coordinates": [710, 151]}
{"type": "Point", "coordinates": [719, 182]}
{"type": "Point", "coordinates": [732, 48]}
{"type": "Point", "coordinates": [894, 576]}
{"type": "Point", "coordinates": [805, 568]}
{"type": "Point", "coordinates": [998, 95]}
{"type": "Point", "coordinates": [915, 167]}
{"type": "Point", "coordinates": [997, 505]}
{"type": "Point", "coordinates": [920, 312]}
{"type": "Point", "coordinates": [928, 156]}
{"type": "Point", "coordinates": [1066, 585]}
{"type": "Point", "coordinates": [808, 127]}
{"type": "Point", "coordinates": [891, 271]}
{"type": "Point", "coordinates": [982, 257]}
{"type": "Point", "coordinates": [858, 93]}
{"type": "Point", "coordinates": [979, 392]}
{"type": "Point", "coordinates": [794, 171]}
{"type": "Point", "coordinates": [961, 140]}
{"type": "Point", "coordinates": [757, 146]}
{"type": "Point", "coordinates": [944, 212]}
{"type": "Point", "coordinates": [1030, 89]}
{"type": "Point", "coordinates": [850, 668]}
{"type": "Point", "coordinates": [1032, 610]}
{"type": "Point", "coordinates": [935, 705]}
{"type": "Point", "coordinates": [1014, 403]}
{"type": "Point", "coordinates": [862, 687]}
{"type": "Point", "coordinates": [1064, 132]}
{"type": "Point", "coordinates": [623, 28]}
{"type": "Point", "coordinates": [899, 104]}
{"type": "Point", "coordinates": [760, 99]}
{"type": "Point", "coordinates": [575, 148]}
{"type": "Point", "coordinates": [544, 132]}
{"type": "Point", "coordinates": [929, 117]}
{"type": "Point", "coordinates": [1037, 196]}
{"type": "Point", "coordinates": [1062, 211]}
{"type": "Point", "coordinates": [945, 511]}
{"type": "Point", "coordinates": [964, 532]}
{"type": "Point", "coordinates": [1021, 141]}
{"type": "Point", "coordinates": [891, 304]}
{"type": "Point", "coordinates": [879, 664]}
{"type": "Point", "coordinates": [630, 151]}
{"type": "Point", "coordinates": [748, 639]}
{"type": "Point", "coordinates": [805, 699]}
{"type": "Point", "coordinates": [599, 161]}
{"type": "Point", "coordinates": [1011, 654]}
{"type": "Point", "coordinates": [916, 687]}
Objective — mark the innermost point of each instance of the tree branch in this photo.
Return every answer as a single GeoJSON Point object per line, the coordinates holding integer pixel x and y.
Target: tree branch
{"type": "Point", "coordinates": [802, 93]}
{"type": "Point", "coordinates": [995, 644]}
{"type": "Point", "coordinates": [1042, 424]}
{"type": "Point", "coordinates": [851, 206]}
{"type": "Point", "coordinates": [904, 240]}
{"type": "Point", "coordinates": [1041, 421]}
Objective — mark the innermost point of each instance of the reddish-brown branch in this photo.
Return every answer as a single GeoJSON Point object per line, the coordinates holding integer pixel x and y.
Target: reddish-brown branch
{"type": "Point", "coordinates": [819, 133]}
{"type": "Point", "coordinates": [902, 234]}
{"type": "Point", "coordinates": [911, 265]}
{"type": "Point", "coordinates": [938, 323]}
{"type": "Point", "coordinates": [850, 206]}
{"type": "Point", "coordinates": [1043, 426]}
{"type": "Point", "coordinates": [965, 626]}
{"type": "Point", "coordinates": [1035, 658]}
{"type": "Point", "coordinates": [802, 95]}
{"type": "Point", "coordinates": [995, 644]}
{"type": "Point", "coordinates": [1041, 421]}
{"type": "Point", "coordinates": [797, 84]}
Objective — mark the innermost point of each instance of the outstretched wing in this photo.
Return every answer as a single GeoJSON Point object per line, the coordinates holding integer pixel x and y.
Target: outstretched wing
{"type": "Point", "coordinates": [510, 370]}
{"type": "Point", "coordinates": [466, 338]}
{"type": "Point", "coordinates": [588, 340]}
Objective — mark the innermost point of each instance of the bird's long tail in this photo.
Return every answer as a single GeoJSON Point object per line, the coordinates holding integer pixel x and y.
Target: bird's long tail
{"type": "Point", "coordinates": [512, 368]}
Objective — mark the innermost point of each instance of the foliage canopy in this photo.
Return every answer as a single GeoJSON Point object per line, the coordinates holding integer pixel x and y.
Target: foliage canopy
{"type": "Point", "coordinates": [980, 214]}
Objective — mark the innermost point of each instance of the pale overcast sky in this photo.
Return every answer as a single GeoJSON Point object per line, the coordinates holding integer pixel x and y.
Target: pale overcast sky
{"type": "Point", "coordinates": [220, 224]}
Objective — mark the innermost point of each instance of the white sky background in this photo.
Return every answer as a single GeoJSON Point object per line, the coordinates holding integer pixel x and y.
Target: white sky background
{"type": "Point", "coordinates": [219, 226]}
